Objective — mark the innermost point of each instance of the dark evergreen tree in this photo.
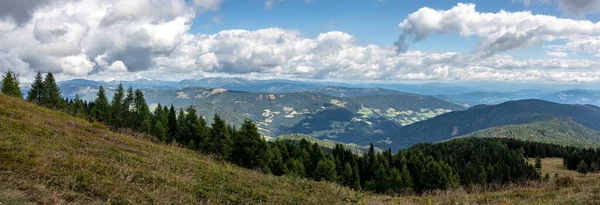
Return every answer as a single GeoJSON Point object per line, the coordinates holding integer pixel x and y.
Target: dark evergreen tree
{"type": "Point", "coordinates": [37, 89]}
{"type": "Point", "coordinates": [117, 107]}
{"type": "Point", "coordinates": [172, 125]}
{"type": "Point", "coordinates": [325, 170]}
{"type": "Point", "coordinates": [10, 85]}
{"type": "Point", "coordinates": [101, 109]}
{"type": "Point", "coordinates": [249, 148]}
{"type": "Point", "coordinates": [51, 97]}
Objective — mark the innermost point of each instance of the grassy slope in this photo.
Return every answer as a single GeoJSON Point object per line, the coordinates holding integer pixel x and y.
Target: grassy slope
{"type": "Point", "coordinates": [557, 131]}
{"type": "Point", "coordinates": [50, 157]}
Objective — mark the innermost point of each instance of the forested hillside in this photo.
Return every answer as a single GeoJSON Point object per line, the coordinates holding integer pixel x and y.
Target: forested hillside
{"type": "Point", "coordinates": [555, 131]}
{"type": "Point", "coordinates": [35, 142]}
{"type": "Point", "coordinates": [482, 117]}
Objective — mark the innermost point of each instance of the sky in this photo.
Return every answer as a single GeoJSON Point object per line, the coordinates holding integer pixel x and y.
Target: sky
{"type": "Point", "coordinates": [532, 41]}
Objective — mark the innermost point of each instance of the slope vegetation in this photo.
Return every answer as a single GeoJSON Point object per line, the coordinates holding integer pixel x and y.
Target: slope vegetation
{"type": "Point", "coordinates": [48, 157]}
{"type": "Point", "coordinates": [555, 131]}
{"type": "Point", "coordinates": [481, 117]}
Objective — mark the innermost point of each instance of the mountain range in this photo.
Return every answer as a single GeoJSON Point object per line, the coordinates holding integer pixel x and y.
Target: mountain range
{"type": "Point", "coordinates": [483, 117]}
{"type": "Point", "coordinates": [365, 113]}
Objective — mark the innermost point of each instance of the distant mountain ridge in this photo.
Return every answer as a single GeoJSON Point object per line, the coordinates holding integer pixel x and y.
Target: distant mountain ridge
{"type": "Point", "coordinates": [556, 131]}
{"type": "Point", "coordinates": [477, 118]}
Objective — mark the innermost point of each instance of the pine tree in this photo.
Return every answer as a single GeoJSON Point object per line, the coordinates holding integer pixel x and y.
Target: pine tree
{"type": "Point", "coordinates": [128, 105]}
{"type": "Point", "coordinates": [347, 176]}
{"type": "Point", "coordinates": [249, 148]}
{"type": "Point", "coordinates": [51, 97]}
{"type": "Point", "coordinates": [37, 89]}
{"type": "Point", "coordinates": [10, 85]}
{"type": "Point", "coordinates": [117, 107]}
{"type": "Point", "coordinates": [159, 131]}
{"type": "Point", "coordinates": [100, 111]}
{"type": "Point", "coordinates": [78, 107]}
{"type": "Point", "coordinates": [220, 137]}
{"type": "Point", "coordinates": [142, 112]}
{"type": "Point", "coordinates": [325, 170]}
{"type": "Point", "coordinates": [173, 128]}
{"type": "Point", "coordinates": [184, 131]}
{"type": "Point", "coordinates": [407, 181]}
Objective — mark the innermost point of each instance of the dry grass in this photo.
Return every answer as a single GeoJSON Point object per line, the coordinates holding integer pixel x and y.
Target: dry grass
{"type": "Point", "coordinates": [48, 157]}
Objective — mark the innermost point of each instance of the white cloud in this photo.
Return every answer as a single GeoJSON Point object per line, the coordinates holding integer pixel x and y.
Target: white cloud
{"type": "Point", "coordinates": [95, 39]}
{"type": "Point", "coordinates": [499, 31]}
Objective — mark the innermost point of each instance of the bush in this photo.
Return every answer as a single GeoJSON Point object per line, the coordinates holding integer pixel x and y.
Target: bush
{"type": "Point", "coordinates": [564, 181]}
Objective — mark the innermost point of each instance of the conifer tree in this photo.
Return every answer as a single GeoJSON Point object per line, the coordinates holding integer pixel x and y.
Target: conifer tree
{"type": "Point", "coordinates": [582, 167]}
{"type": "Point", "coordinates": [249, 148]}
{"type": "Point", "coordinates": [325, 170]}
{"type": "Point", "coordinates": [142, 112]}
{"type": "Point", "coordinates": [51, 97]}
{"type": "Point", "coordinates": [78, 107]}
{"type": "Point", "coordinates": [100, 111]}
{"type": "Point", "coordinates": [159, 131]}
{"type": "Point", "coordinates": [196, 125]}
{"type": "Point", "coordinates": [117, 107]}
{"type": "Point", "coordinates": [220, 137]}
{"type": "Point", "coordinates": [37, 89]}
{"type": "Point", "coordinates": [10, 85]}
{"type": "Point", "coordinates": [172, 125]}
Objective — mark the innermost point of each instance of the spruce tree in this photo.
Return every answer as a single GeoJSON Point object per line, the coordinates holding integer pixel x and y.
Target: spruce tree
{"type": "Point", "coordinates": [347, 176]}
{"type": "Point", "coordinates": [221, 137]}
{"type": "Point", "coordinates": [37, 89]}
{"type": "Point", "coordinates": [172, 125]}
{"type": "Point", "coordinates": [101, 109]}
{"type": "Point", "coordinates": [78, 107]}
{"type": "Point", "coordinates": [117, 107]}
{"type": "Point", "coordinates": [538, 163]}
{"type": "Point", "coordinates": [10, 85]}
{"type": "Point", "coordinates": [159, 131]}
{"type": "Point", "coordinates": [142, 112]}
{"type": "Point", "coordinates": [51, 97]}
{"type": "Point", "coordinates": [325, 170]}
{"type": "Point", "coordinates": [249, 148]}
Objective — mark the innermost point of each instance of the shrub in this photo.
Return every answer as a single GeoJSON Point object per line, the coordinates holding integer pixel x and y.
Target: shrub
{"type": "Point", "coordinates": [564, 181]}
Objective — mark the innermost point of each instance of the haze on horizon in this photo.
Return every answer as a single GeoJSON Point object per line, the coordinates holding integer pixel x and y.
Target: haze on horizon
{"type": "Point", "coordinates": [511, 41]}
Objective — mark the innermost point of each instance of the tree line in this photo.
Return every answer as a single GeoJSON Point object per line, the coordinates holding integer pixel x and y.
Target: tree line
{"type": "Point", "coordinates": [420, 168]}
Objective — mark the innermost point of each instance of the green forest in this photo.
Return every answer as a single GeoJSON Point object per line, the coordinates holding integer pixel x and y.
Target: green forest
{"type": "Point", "coordinates": [418, 169]}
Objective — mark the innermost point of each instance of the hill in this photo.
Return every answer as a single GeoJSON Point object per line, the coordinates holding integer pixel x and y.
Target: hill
{"type": "Point", "coordinates": [357, 119]}
{"type": "Point", "coordinates": [477, 118]}
{"type": "Point", "coordinates": [48, 157]}
{"type": "Point", "coordinates": [555, 131]}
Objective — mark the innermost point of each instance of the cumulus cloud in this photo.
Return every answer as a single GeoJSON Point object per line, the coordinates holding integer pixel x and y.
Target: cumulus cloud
{"type": "Point", "coordinates": [129, 39]}
{"type": "Point", "coordinates": [499, 31]}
